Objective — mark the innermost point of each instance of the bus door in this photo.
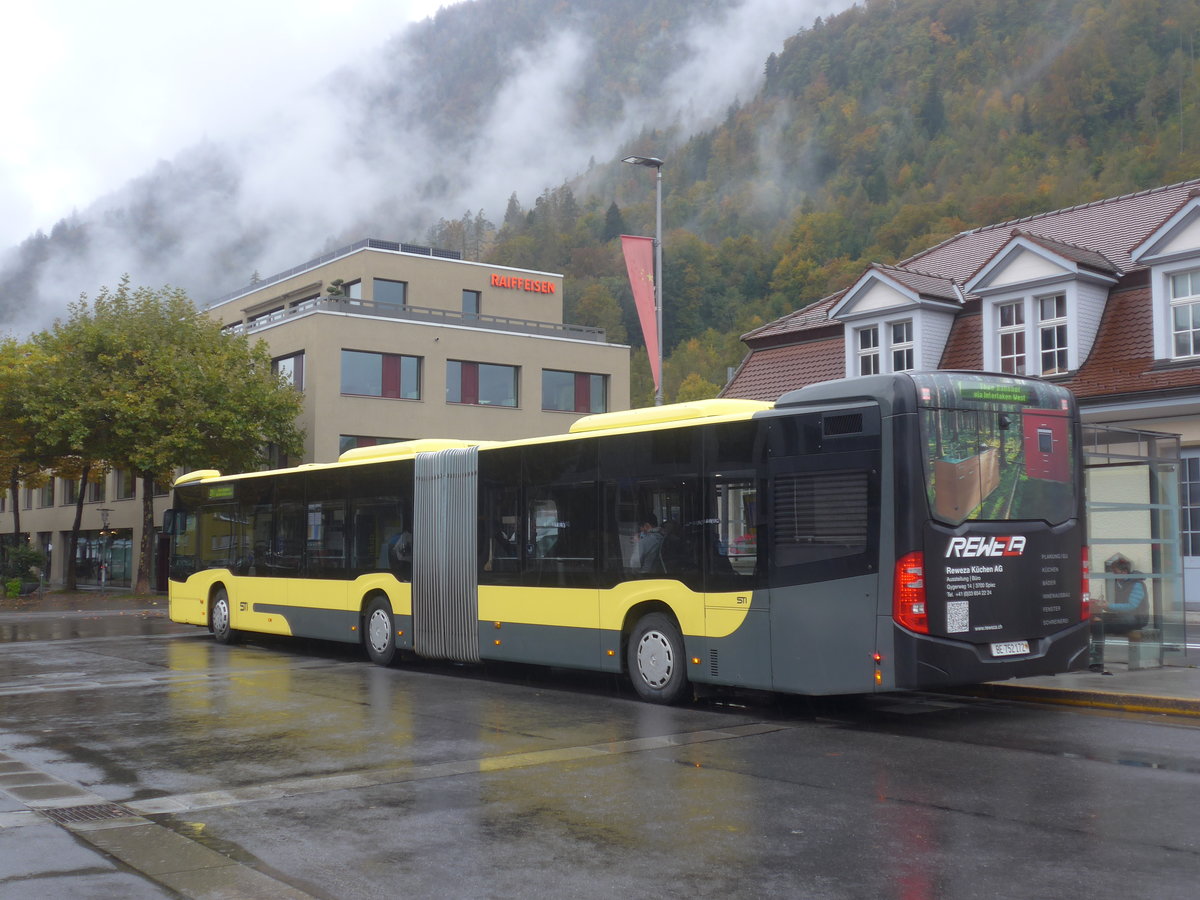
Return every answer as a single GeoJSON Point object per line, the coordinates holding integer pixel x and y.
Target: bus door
{"type": "Point", "coordinates": [736, 612]}
{"type": "Point", "coordinates": [824, 515]}
{"type": "Point", "coordinates": [273, 513]}
{"type": "Point", "coordinates": [538, 542]}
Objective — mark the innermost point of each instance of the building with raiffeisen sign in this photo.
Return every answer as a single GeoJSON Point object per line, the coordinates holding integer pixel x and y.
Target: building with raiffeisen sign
{"type": "Point", "coordinates": [387, 342]}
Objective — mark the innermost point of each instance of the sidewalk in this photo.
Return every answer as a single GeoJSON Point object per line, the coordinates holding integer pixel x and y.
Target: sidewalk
{"type": "Point", "coordinates": [87, 602]}
{"type": "Point", "coordinates": [1170, 690]}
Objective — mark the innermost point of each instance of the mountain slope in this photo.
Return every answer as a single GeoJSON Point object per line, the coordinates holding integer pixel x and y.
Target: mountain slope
{"type": "Point", "coordinates": [867, 135]}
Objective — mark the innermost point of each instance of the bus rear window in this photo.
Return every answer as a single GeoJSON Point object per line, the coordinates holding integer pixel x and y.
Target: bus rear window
{"type": "Point", "coordinates": [998, 454]}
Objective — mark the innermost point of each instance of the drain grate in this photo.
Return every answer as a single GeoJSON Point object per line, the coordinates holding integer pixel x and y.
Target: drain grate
{"type": "Point", "coordinates": [94, 813]}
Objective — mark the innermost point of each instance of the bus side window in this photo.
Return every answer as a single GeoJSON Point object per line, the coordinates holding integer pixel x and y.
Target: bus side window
{"type": "Point", "coordinates": [218, 524]}
{"type": "Point", "coordinates": [381, 537]}
{"type": "Point", "coordinates": [183, 553]}
{"type": "Point", "coordinates": [500, 529]}
{"type": "Point", "coordinates": [288, 545]}
{"type": "Point", "coordinates": [651, 529]}
{"type": "Point", "coordinates": [561, 531]}
{"type": "Point", "coordinates": [730, 529]}
{"type": "Point", "coordinates": [326, 537]}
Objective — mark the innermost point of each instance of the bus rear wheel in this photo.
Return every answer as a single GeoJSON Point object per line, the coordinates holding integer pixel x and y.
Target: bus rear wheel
{"type": "Point", "coordinates": [379, 632]}
{"type": "Point", "coordinates": [655, 657]}
{"type": "Point", "coordinates": [220, 618]}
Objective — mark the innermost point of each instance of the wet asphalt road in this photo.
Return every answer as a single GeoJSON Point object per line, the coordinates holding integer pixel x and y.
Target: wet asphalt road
{"type": "Point", "coordinates": [278, 769]}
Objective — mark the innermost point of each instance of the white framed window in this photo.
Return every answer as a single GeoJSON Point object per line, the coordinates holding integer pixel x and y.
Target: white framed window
{"type": "Point", "coordinates": [902, 345]}
{"type": "Point", "coordinates": [1052, 334]}
{"type": "Point", "coordinates": [1010, 336]}
{"type": "Point", "coordinates": [868, 350]}
{"type": "Point", "coordinates": [882, 346]}
{"type": "Point", "coordinates": [1184, 290]}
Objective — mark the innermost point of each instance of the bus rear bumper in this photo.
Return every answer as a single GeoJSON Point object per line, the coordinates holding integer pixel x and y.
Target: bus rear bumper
{"type": "Point", "coordinates": [924, 662]}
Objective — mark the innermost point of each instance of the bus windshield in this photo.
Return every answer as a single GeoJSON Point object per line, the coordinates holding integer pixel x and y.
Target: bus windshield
{"type": "Point", "coordinates": [996, 448]}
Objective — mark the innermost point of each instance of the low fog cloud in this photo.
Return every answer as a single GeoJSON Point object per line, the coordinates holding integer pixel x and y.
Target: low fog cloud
{"type": "Point", "coordinates": [312, 172]}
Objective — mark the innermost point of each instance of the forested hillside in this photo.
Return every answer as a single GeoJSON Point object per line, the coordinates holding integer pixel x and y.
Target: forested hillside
{"type": "Point", "coordinates": [877, 133]}
{"type": "Point", "coordinates": [873, 133]}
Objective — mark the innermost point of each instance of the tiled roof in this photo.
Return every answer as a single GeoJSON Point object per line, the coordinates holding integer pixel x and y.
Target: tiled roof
{"type": "Point", "coordinates": [1112, 227]}
{"type": "Point", "coordinates": [1122, 359]}
{"type": "Point", "coordinates": [766, 374]}
{"type": "Point", "coordinates": [964, 348]}
{"type": "Point", "coordinates": [1123, 351]}
{"type": "Point", "coordinates": [812, 316]}
{"type": "Point", "coordinates": [934, 287]}
{"type": "Point", "coordinates": [1098, 236]}
{"type": "Point", "coordinates": [1092, 259]}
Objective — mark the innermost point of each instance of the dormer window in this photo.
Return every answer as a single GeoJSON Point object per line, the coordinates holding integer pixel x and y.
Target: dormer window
{"type": "Point", "coordinates": [902, 346]}
{"type": "Point", "coordinates": [896, 320]}
{"type": "Point", "coordinates": [1011, 333]}
{"type": "Point", "coordinates": [1172, 253]}
{"type": "Point", "coordinates": [1032, 336]}
{"type": "Point", "coordinates": [886, 347]}
{"type": "Point", "coordinates": [1042, 302]}
{"type": "Point", "coordinates": [868, 350]}
{"type": "Point", "coordinates": [1185, 312]}
{"type": "Point", "coordinates": [1052, 332]}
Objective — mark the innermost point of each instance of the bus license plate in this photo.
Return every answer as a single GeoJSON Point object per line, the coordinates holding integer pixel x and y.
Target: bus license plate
{"type": "Point", "coordinates": [1010, 648]}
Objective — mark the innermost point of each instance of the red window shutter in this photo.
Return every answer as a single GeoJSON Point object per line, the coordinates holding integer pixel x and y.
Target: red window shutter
{"type": "Point", "coordinates": [583, 394]}
{"type": "Point", "coordinates": [470, 382]}
{"type": "Point", "coordinates": [391, 376]}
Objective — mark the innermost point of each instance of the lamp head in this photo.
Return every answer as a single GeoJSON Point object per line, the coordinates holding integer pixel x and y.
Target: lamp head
{"type": "Point", "coordinates": [652, 162]}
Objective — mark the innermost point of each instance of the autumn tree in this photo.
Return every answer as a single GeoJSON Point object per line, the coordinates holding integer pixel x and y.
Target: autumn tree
{"type": "Point", "coordinates": [162, 388]}
{"type": "Point", "coordinates": [18, 459]}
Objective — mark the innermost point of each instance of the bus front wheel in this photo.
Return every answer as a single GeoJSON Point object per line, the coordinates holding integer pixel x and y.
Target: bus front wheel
{"type": "Point", "coordinates": [220, 618]}
{"type": "Point", "coordinates": [656, 660]}
{"type": "Point", "coordinates": [379, 632]}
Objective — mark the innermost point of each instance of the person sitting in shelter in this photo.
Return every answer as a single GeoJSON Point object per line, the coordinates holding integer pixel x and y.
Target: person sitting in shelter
{"type": "Point", "coordinates": [1129, 608]}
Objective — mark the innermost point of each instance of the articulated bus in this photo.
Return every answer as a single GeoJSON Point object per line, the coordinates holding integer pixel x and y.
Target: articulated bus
{"type": "Point", "coordinates": [888, 532]}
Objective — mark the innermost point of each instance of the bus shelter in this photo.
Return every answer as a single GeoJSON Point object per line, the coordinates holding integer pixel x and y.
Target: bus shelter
{"type": "Point", "coordinates": [1133, 509]}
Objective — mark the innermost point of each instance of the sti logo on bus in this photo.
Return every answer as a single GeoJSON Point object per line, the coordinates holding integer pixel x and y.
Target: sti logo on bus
{"type": "Point", "coordinates": [976, 545]}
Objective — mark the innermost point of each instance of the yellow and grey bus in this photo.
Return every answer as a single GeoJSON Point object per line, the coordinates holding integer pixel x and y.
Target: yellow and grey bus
{"type": "Point", "coordinates": [887, 532]}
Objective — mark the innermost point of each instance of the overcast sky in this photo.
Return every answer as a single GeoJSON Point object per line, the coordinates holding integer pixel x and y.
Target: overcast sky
{"type": "Point", "coordinates": [96, 93]}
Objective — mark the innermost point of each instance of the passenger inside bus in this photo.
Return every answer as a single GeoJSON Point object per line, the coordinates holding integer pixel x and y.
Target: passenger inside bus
{"type": "Point", "coordinates": [647, 552]}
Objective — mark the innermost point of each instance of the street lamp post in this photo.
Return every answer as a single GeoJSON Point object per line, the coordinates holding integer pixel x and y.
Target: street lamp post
{"type": "Point", "coordinates": [655, 163]}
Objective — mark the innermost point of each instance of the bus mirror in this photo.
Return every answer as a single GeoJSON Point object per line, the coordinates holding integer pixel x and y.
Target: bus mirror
{"type": "Point", "coordinates": [169, 522]}
{"type": "Point", "coordinates": [1005, 422]}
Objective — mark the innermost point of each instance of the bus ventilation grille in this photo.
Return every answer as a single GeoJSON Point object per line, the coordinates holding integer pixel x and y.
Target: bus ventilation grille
{"type": "Point", "coordinates": [714, 663]}
{"type": "Point", "coordinates": [851, 423]}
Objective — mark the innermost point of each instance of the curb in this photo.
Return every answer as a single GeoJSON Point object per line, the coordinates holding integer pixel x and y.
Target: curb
{"type": "Point", "coordinates": [1134, 703]}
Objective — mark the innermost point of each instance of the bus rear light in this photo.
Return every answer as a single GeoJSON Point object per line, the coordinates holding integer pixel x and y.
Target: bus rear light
{"type": "Point", "coordinates": [908, 602]}
{"type": "Point", "coordinates": [1085, 595]}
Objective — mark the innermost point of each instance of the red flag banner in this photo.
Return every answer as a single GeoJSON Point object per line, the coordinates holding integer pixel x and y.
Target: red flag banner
{"type": "Point", "coordinates": [639, 261]}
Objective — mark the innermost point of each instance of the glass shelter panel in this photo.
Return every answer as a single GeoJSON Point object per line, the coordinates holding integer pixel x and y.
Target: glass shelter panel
{"type": "Point", "coordinates": [1136, 571]}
